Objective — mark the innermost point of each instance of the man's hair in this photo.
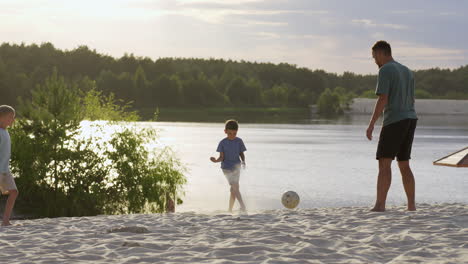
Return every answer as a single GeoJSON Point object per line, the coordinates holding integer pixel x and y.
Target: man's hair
{"type": "Point", "coordinates": [232, 125]}
{"type": "Point", "coordinates": [383, 46]}
{"type": "Point", "coordinates": [6, 109]}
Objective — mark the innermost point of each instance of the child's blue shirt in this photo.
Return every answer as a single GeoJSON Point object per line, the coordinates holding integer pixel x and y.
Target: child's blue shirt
{"type": "Point", "coordinates": [231, 149]}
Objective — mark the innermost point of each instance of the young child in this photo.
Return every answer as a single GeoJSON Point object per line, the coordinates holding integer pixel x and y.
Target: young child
{"type": "Point", "coordinates": [231, 155]}
{"type": "Point", "coordinates": [7, 183]}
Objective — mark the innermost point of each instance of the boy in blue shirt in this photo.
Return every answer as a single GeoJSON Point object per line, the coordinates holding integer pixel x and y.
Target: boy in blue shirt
{"type": "Point", "coordinates": [7, 183]}
{"type": "Point", "coordinates": [231, 155]}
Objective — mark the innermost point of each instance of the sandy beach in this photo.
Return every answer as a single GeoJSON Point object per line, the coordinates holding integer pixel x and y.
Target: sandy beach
{"type": "Point", "coordinates": [433, 234]}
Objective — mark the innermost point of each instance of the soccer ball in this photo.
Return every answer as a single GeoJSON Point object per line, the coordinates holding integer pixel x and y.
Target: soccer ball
{"type": "Point", "coordinates": [290, 199]}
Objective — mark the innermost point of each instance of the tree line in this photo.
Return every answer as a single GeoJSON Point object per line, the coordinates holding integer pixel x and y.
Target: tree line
{"type": "Point", "coordinates": [191, 82]}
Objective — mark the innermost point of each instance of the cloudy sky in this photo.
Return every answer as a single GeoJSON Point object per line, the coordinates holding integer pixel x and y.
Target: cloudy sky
{"type": "Point", "coordinates": [334, 35]}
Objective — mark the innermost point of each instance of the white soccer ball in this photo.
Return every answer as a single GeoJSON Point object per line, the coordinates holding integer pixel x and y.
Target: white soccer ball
{"type": "Point", "coordinates": [290, 199]}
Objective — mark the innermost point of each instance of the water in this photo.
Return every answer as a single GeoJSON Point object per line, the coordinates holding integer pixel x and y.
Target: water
{"type": "Point", "coordinates": [329, 165]}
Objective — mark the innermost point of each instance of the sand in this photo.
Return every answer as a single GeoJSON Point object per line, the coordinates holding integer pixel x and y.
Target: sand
{"type": "Point", "coordinates": [433, 234]}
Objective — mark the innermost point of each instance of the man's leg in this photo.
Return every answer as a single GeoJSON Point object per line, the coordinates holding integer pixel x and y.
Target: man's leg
{"type": "Point", "coordinates": [383, 183]}
{"type": "Point", "coordinates": [404, 155]}
{"type": "Point", "coordinates": [408, 183]}
{"type": "Point", "coordinates": [12, 194]}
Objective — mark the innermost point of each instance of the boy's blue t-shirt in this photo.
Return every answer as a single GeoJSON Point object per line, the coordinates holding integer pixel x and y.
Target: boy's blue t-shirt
{"type": "Point", "coordinates": [231, 149]}
{"type": "Point", "coordinates": [5, 151]}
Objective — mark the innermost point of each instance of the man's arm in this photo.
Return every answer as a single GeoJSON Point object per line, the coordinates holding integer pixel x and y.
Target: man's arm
{"type": "Point", "coordinates": [378, 109]}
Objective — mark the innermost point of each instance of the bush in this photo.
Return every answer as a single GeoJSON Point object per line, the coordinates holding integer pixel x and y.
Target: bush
{"type": "Point", "coordinates": [328, 103]}
{"type": "Point", "coordinates": [369, 94]}
{"type": "Point", "coordinates": [62, 173]}
{"type": "Point", "coordinates": [334, 102]}
{"type": "Point", "coordinates": [422, 94]}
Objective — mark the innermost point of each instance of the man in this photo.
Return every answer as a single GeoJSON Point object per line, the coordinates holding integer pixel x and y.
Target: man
{"type": "Point", "coordinates": [395, 88]}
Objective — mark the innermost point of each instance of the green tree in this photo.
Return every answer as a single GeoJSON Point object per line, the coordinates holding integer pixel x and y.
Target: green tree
{"type": "Point", "coordinates": [201, 92]}
{"type": "Point", "coordinates": [422, 94]}
{"type": "Point", "coordinates": [329, 103]}
{"type": "Point", "coordinates": [241, 92]}
{"type": "Point", "coordinates": [369, 94]}
{"type": "Point", "coordinates": [278, 95]}
{"type": "Point", "coordinates": [167, 91]}
{"type": "Point", "coordinates": [65, 173]}
{"type": "Point", "coordinates": [240, 83]}
{"type": "Point", "coordinates": [236, 90]}
{"type": "Point", "coordinates": [140, 85]}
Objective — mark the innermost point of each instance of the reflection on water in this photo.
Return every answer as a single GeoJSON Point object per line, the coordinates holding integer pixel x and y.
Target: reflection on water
{"type": "Point", "coordinates": [328, 163]}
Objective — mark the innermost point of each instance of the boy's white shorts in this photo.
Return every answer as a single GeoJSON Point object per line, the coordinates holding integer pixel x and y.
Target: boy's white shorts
{"type": "Point", "coordinates": [232, 175]}
{"type": "Point", "coordinates": [7, 183]}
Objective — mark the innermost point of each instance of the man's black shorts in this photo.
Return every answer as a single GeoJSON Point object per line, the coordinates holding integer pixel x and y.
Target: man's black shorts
{"type": "Point", "coordinates": [396, 139]}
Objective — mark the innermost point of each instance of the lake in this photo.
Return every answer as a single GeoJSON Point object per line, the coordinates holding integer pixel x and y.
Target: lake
{"type": "Point", "coordinates": [328, 163]}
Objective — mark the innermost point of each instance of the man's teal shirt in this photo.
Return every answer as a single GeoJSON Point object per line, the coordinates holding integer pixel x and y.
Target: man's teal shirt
{"type": "Point", "coordinates": [396, 81]}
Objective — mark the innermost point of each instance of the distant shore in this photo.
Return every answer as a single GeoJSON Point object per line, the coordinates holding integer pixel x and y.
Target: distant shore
{"type": "Point", "coordinates": [220, 114]}
{"type": "Point", "coordinates": [422, 106]}
{"type": "Point", "coordinates": [434, 111]}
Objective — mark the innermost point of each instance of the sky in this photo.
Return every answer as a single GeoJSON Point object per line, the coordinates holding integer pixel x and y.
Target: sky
{"type": "Point", "coordinates": [333, 35]}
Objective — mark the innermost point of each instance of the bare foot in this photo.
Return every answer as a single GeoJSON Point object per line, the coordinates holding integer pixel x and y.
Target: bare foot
{"type": "Point", "coordinates": [6, 224]}
{"type": "Point", "coordinates": [377, 209]}
{"type": "Point", "coordinates": [412, 208]}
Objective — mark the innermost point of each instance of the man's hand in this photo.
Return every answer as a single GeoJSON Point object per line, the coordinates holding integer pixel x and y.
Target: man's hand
{"type": "Point", "coordinates": [379, 107]}
{"type": "Point", "coordinates": [213, 159]}
{"type": "Point", "coordinates": [369, 131]}
{"type": "Point", "coordinates": [243, 165]}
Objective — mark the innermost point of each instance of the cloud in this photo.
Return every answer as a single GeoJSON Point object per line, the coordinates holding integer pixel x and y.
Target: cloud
{"type": "Point", "coordinates": [266, 35]}
{"type": "Point", "coordinates": [378, 35]}
{"type": "Point", "coordinates": [407, 12]}
{"type": "Point", "coordinates": [370, 24]}
{"type": "Point", "coordinates": [218, 11]}
{"type": "Point", "coordinates": [448, 13]}
{"type": "Point", "coordinates": [264, 23]}
{"type": "Point", "coordinates": [219, 16]}
{"type": "Point", "coordinates": [416, 51]}
{"type": "Point", "coordinates": [330, 34]}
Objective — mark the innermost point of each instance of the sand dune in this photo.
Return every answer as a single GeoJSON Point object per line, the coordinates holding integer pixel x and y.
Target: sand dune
{"type": "Point", "coordinates": [433, 234]}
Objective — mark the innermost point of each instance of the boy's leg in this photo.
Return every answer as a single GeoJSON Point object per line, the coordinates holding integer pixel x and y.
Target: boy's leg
{"type": "Point", "coordinates": [238, 196]}
{"type": "Point", "coordinates": [232, 199]}
{"type": "Point", "coordinates": [12, 194]}
{"type": "Point", "coordinates": [408, 183]}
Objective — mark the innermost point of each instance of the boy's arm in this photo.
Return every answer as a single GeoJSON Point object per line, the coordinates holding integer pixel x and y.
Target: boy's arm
{"type": "Point", "coordinates": [242, 156]}
{"type": "Point", "coordinates": [220, 158]}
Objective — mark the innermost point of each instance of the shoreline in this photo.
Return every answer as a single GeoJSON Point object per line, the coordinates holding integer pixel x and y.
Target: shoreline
{"type": "Point", "coordinates": [279, 115]}
{"type": "Point", "coordinates": [433, 234]}
{"type": "Point", "coordinates": [220, 114]}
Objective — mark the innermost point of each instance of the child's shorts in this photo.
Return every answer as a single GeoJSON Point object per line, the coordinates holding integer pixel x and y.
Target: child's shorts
{"type": "Point", "coordinates": [232, 175]}
{"type": "Point", "coordinates": [7, 183]}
